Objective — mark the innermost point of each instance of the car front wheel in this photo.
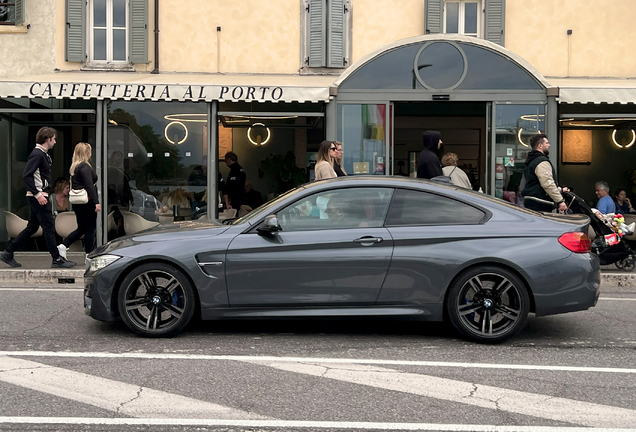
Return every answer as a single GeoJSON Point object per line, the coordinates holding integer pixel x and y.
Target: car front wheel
{"type": "Point", "coordinates": [156, 300]}
{"type": "Point", "coordinates": [488, 304]}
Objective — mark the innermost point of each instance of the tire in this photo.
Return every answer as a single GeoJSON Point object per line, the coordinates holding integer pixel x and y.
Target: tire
{"type": "Point", "coordinates": [488, 304]}
{"type": "Point", "coordinates": [628, 263]}
{"type": "Point", "coordinates": [156, 300]}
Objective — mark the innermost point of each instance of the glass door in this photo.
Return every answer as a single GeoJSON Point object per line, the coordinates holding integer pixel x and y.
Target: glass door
{"type": "Point", "coordinates": [513, 126]}
{"type": "Point", "coordinates": [362, 131]}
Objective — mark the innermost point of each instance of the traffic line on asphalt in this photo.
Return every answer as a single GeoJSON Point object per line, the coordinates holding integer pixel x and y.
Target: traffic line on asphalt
{"type": "Point", "coordinates": [168, 356]}
{"type": "Point", "coordinates": [122, 398]}
{"type": "Point", "coordinates": [281, 424]}
{"type": "Point", "coordinates": [499, 399]}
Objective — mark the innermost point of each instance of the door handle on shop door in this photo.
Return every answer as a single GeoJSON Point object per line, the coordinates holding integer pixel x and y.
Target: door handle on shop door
{"type": "Point", "coordinates": [368, 241]}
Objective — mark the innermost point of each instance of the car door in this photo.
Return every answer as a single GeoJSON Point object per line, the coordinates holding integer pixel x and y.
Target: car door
{"type": "Point", "coordinates": [331, 250]}
{"type": "Point", "coordinates": [433, 236]}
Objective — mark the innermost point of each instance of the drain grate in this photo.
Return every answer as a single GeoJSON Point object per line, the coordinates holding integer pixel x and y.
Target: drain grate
{"type": "Point", "coordinates": [66, 280]}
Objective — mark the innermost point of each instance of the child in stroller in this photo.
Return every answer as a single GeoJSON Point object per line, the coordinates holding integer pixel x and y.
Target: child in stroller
{"type": "Point", "coordinates": [608, 244]}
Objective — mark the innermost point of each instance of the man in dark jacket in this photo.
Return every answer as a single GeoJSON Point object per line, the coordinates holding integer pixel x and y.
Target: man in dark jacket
{"type": "Point", "coordinates": [37, 176]}
{"type": "Point", "coordinates": [235, 184]}
{"type": "Point", "coordinates": [428, 164]}
{"type": "Point", "coordinates": [541, 192]}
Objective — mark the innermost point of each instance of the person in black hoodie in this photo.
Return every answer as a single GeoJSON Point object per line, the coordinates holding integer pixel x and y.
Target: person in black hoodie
{"type": "Point", "coordinates": [37, 176]}
{"type": "Point", "coordinates": [541, 191]}
{"type": "Point", "coordinates": [83, 177]}
{"type": "Point", "coordinates": [428, 164]}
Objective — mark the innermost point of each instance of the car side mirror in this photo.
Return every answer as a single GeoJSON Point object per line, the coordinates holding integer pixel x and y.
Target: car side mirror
{"type": "Point", "coordinates": [269, 226]}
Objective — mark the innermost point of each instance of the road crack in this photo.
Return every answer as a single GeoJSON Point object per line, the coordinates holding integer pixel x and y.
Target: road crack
{"type": "Point", "coordinates": [48, 320]}
{"type": "Point", "coordinates": [137, 396]}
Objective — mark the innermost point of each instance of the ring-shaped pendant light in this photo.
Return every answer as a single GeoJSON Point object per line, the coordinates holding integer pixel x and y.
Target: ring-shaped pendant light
{"type": "Point", "coordinates": [249, 130]}
{"type": "Point", "coordinates": [165, 132]}
{"type": "Point", "coordinates": [631, 143]}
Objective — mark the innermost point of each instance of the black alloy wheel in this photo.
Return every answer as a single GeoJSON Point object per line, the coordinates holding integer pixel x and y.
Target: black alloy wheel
{"type": "Point", "coordinates": [488, 304]}
{"type": "Point", "coordinates": [156, 300]}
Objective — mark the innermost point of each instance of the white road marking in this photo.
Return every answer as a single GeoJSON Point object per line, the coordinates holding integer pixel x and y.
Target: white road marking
{"type": "Point", "coordinates": [122, 398]}
{"type": "Point", "coordinates": [617, 299]}
{"type": "Point", "coordinates": [166, 356]}
{"type": "Point", "coordinates": [536, 405]}
{"type": "Point", "coordinates": [297, 424]}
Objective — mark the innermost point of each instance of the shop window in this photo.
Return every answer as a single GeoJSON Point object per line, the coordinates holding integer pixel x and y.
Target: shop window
{"type": "Point", "coordinates": [484, 18]}
{"type": "Point", "coordinates": [11, 12]}
{"type": "Point", "coordinates": [107, 33]}
{"type": "Point", "coordinates": [327, 24]}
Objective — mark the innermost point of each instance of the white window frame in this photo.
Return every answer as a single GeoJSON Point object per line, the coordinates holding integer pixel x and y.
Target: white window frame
{"type": "Point", "coordinates": [462, 17]}
{"type": "Point", "coordinates": [109, 34]}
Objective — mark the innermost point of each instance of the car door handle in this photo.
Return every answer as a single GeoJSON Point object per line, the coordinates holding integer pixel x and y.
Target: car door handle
{"type": "Point", "coordinates": [368, 241]}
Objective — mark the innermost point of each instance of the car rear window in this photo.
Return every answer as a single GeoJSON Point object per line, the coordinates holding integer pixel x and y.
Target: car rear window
{"type": "Point", "coordinates": [410, 207]}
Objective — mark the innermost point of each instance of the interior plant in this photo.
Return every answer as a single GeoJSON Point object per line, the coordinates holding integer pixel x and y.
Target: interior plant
{"type": "Point", "coordinates": [282, 172]}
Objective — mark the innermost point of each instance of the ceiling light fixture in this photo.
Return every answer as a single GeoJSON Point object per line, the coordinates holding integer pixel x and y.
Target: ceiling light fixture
{"type": "Point", "coordinates": [631, 143]}
{"type": "Point", "coordinates": [532, 117]}
{"type": "Point", "coordinates": [193, 117]}
{"type": "Point", "coordinates": [269, 134]}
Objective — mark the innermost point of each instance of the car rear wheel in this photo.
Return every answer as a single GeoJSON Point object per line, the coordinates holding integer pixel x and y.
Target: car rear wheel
{"type": "Point", "coordinates": [488, 304]}
{"type": "Point", "coordinates": [156, 300]}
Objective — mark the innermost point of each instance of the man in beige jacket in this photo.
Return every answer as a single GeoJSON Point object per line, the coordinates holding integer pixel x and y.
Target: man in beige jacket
{"type": "Point", "coordinates": [541, 192]}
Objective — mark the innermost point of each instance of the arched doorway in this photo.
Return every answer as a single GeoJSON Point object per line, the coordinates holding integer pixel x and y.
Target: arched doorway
{"type": "Point", "coordinates": [485, 99]}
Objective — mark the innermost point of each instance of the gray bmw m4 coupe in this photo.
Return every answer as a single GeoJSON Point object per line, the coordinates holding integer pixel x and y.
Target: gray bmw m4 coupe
{"type": "Point", "coordinates": [352, 247]}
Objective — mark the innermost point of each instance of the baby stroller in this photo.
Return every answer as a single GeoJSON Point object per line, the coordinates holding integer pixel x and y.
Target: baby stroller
{"type": "Point", "coordinates": [608, 245]}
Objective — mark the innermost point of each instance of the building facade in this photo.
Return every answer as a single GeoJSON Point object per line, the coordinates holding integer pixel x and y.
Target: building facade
{"type": "Point", "coordinates": [163, 89]}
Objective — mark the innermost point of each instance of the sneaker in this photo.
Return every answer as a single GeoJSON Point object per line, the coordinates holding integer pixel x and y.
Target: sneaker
{"type": "Point", "coordinates": [62, 250]}
{"type": "Point", "coordinates": [63, 263]}
{"type": "Point", "coordinates": [7, 258]}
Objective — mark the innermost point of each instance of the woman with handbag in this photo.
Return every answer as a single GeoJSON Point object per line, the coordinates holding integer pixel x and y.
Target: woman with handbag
{"type": "Point", "coordinates": [83, 196]}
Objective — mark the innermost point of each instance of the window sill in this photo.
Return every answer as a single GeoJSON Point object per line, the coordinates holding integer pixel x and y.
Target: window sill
{"type": "Point", "coordinates": [108, 67]}
{"type": "Point", "coordinates": [8, 29]}
{"type": "Point", "coordinates": [321, 71]}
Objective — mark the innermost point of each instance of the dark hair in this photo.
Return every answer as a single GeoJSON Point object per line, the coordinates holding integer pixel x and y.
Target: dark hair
{"type": "Point", "coordinates": [44, 134]}
{"type": "Point", "coordinates": [619, 190]}
{"type": "Point", "coordinates": [536, 140]}
{"type": "Point", "coordinates": [231, 155]}
{"type": "Point", "coordinates": [323, 151]}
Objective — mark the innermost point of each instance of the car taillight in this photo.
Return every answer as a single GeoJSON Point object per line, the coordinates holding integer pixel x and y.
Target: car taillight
{"type": "Point", "coordinates": [576, 242]}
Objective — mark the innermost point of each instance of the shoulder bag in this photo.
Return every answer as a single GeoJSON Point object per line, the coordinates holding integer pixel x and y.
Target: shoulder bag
{"type": "Point", "coordinates": [77, 196]}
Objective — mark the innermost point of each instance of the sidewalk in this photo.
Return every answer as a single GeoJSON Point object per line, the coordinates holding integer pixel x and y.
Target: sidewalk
{"type": "Point", "coordinates": [36, 269]}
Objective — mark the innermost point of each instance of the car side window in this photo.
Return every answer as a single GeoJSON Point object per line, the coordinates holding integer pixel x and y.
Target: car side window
{"type": "Point", "coordinates": [410, 207]}
{"type": "Point", "coordinates": [337, 209]}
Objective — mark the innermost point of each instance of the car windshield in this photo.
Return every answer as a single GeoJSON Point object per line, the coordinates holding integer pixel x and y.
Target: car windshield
{"type": "Point", "coordinates": [254, 214]}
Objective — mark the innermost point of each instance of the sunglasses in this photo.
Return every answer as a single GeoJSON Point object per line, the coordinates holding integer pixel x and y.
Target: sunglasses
{"type": "Point", "coordinates": [333, 148]}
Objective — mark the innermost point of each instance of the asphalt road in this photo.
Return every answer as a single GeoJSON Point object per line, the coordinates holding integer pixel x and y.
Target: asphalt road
{"type": "Point", "coordinates": [61, 370]}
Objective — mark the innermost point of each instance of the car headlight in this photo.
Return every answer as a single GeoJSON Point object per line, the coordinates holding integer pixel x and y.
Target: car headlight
{"type": "Point", "coordinates": [101, 261]}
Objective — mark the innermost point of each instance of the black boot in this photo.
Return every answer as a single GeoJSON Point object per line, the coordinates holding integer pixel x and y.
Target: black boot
{"type": "Point", "coordinates": [7, 258]}
{"type": "Point", "coordinates": [62, 263]}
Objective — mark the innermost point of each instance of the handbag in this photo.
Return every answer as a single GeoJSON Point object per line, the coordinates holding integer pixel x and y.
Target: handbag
{"type": "Point", "coordinates": [77, 196]}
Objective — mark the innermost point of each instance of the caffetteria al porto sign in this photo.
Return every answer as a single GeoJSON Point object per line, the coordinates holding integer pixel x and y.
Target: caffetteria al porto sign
{"type": "Point", "coordinates": [155, 91]}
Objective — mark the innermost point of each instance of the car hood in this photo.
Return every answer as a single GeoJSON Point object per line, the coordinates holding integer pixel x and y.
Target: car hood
{"type": "Point", "coordinates": [165, 232]}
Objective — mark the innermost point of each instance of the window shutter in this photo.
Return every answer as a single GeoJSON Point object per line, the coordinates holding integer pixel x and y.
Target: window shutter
{"type": "Point", "coordinates": [138, 36]}
{"type": "Point", "coordinates": [434, 16]}
{"type": "Point", "coordinates": [75, 30]}
{"type": "Point", "coordinates": [495, 21]}
{"type": "Point", "coordinates": [337, 34]}
{"type": "Point", "coordinates": [316, 22]}
{"type": "Point", "coordinates": [19, 12]}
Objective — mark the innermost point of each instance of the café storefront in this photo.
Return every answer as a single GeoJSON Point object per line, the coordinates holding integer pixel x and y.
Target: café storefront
{"type": "Point", "coordinates": [157, 134]}
{"type": "Point", "coordinates": [156, 139]}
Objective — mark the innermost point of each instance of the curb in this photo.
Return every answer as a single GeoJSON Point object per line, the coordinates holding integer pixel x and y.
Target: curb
{"type": "Point", "coordinates": [53, 276]}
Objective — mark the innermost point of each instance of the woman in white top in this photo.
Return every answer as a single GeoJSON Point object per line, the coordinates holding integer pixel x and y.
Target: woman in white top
{"type": "Point", "coordinates": [326, 154]}
{"type": "Point", "coordinates": [457, 175]}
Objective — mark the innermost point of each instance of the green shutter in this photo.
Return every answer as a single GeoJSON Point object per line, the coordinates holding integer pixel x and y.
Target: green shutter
{"type": "Point", "coordinates": [316, 23]}
{"type": "Point", "coordinates": [75, 30]}
{"type": "Point", "coordinates": [434, 16]}
{"type": "Point", "coordinates": [495, 21]}
{"type": "Point", "coordinates": [19, 12]}
{"type": "Point", "coordinates": [138, 40]}
{"type": "Point", "coordinates": [337, 34]}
